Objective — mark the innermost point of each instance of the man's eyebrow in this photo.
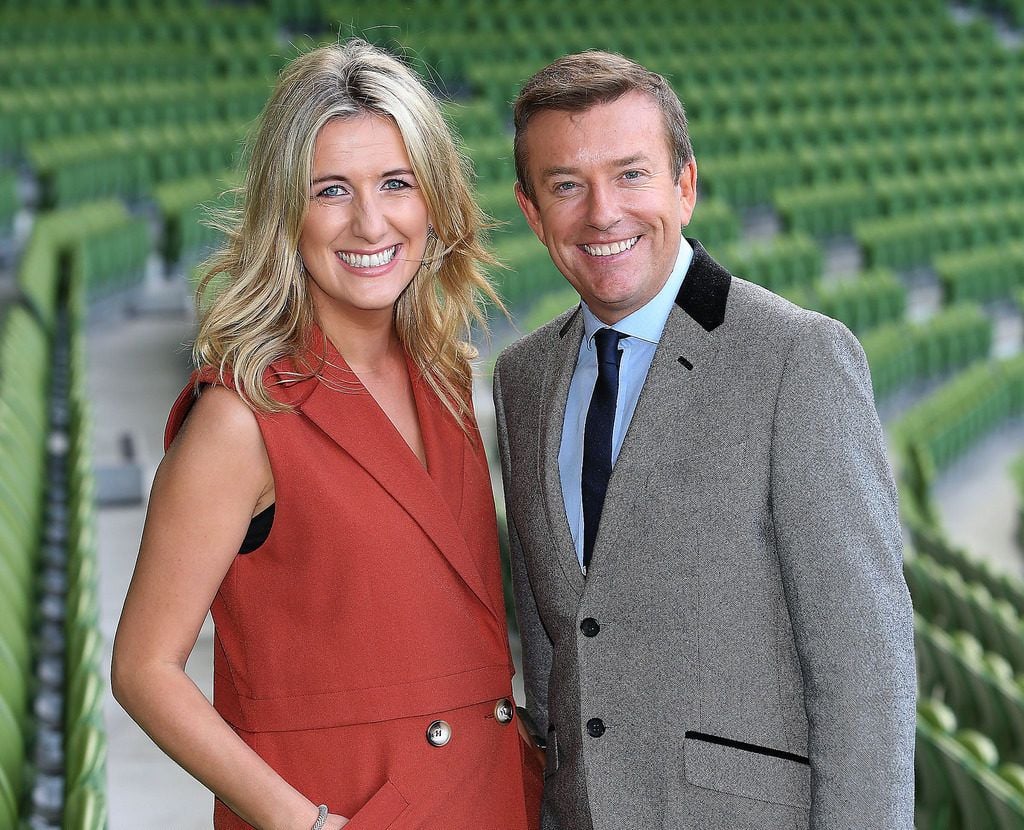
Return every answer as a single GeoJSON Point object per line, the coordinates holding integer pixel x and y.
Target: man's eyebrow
{"type": "Point", "coordinates": [549, 172]}
{"type": "Point", "coordinates": [337, 177]}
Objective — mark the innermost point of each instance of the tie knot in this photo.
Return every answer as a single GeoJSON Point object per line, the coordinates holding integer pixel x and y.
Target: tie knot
{"type": "Point", "coordinates": [607, 341]}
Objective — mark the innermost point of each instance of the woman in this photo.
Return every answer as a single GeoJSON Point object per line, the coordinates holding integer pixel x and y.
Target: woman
{"type": "Point", "coordinates": [325, 490]}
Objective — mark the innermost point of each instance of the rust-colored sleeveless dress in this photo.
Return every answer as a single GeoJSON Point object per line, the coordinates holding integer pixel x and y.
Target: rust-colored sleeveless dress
{"type": "Point", "coordinates": [373, 609]}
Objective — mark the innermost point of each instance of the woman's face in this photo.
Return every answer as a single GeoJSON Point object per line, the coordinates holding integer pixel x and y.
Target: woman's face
{"type": "Point", "coordinates": [366, 229]}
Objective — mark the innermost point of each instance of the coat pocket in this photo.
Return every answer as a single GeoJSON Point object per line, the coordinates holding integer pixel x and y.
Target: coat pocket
{"type": "Point", "coordinates": [747, 770]}
{"type": "Point", "coordinates": [381, 811]}
{"type": "Point", "coordinates": [551, 753]}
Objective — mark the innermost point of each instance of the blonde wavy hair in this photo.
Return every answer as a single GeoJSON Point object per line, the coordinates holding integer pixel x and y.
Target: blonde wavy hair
{"type": "Point", "coordinates": [253, 301]}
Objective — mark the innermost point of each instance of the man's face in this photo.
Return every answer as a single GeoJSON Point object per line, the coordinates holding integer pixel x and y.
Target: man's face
{"type": "Point", "coordinates": [608, 208]}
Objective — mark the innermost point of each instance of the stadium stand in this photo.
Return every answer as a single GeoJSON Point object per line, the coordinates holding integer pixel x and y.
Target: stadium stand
{"type": "Point", "coordinates": [891, 126]}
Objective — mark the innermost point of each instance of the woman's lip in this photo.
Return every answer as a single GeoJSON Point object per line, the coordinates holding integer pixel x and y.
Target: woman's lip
{"type": "Point", "coordinates": [370, 253]}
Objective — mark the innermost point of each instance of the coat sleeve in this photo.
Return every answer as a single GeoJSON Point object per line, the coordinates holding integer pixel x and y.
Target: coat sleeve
{"type": "Point", "coordinates": [838, 538]}
{"type": "Point", "coordinates": [537, 647]}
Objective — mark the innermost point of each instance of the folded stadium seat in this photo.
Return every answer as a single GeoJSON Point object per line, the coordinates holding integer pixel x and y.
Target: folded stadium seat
{"type": "Point", "coordinates": [8, 803]}
{"type": "Point", "coordinates": [85, 809]}
{"type": "Point", "coordinates": [12, 749]}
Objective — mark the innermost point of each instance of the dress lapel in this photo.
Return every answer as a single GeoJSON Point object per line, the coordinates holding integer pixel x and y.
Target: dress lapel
{"type": "Point", "coordinates": [560, 367]}
{"type": "Point", "coordinates": [346, 412]}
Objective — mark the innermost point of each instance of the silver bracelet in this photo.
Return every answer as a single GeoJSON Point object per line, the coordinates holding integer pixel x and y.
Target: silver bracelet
{"type": "Point", "coordinates": [321, 818]}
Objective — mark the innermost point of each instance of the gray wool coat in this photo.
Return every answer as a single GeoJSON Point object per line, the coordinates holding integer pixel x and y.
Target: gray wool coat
{"type": "Point", "coordinates": [753, 667]}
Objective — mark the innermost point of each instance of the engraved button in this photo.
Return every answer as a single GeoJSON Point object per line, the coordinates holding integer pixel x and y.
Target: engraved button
{"type": "Point", "coordinates": [439, 733]}
{"type": "Point", "coordinates": [595, 727]}
{"type": "Point", "coordinates": [589, 626]}
{"type": "Point", "coordinates": [503, 711]}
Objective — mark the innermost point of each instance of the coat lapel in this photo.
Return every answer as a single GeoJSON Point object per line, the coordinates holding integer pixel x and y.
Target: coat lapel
{"type": "Point", "coordinates": [683, 362]}
{"type": "Point", "coordinates": [560, 367]}
{"type": "Point", "coordinates": [347, 413]}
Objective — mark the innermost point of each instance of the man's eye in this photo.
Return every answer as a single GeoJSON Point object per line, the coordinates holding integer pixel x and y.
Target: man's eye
{"type": "Point", "coordinates": [564, 187]}
{"type": "Point", "coordinates": [632, 175]}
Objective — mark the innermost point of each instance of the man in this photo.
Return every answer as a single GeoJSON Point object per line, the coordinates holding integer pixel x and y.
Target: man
{"type": "Point", "coordinates": [705, 544]}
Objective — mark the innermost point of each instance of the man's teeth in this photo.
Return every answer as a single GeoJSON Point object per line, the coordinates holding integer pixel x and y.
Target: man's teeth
{"type": "Point", "coordinates": [613, 248]}
{"type": "Point", "coordinates": [368, 260]}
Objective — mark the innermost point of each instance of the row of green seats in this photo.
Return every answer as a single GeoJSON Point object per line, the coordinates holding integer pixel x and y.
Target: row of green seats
{"type": "Point", "coordinates": [952, 154]}
{"type": "Point", "coordinates": [960, 783]}
{"type": "Point", "coordinates": [979, 685]}
{"type": "Point", "coordinates": [73, 64]}
{"type": "Point", "coordinates": [492, 158]}
{"type": "Point", "coordinates": [475, 120]}
{"type": "Point", "coordinates": [498, 201]}
{"type": "Point", "coordinates": [24, 376]}
{"type": "Point", "coordinates": [862, 304]}
{"type": "Point", "coordinates": [714, 223]}
{"type": "Point", "coordinates": [767, 66]}
{"type": "Point", "coordinates": [945, 599]}
{"type": "Point", "coordinates": [1001, 585]}
{"type": "Point", "coordinates": [981, 274]}
{"type": "Point", "coordinates": [745, 179]}
{"type": "Point", "coordinates": [782, 263]}
{"type": "Point", "coordinates": [200, 25]}
{"type": "Point", "coordinates": [56, 235]}
{"type": "Point", "coordinates": [111, 258]}
{"type": "Point", "coordinates": [825, 210]}
{"type": "Point", "coordinates": [742, 98]}
{"type": "Point", "coordinates": [905, 241]}
{"type": "Point", "coordinates": [528, 273]}
{"type": "Point", "coordinates": [8, 200]}
{"type": "Point", "coordinates": [867, 121]}
{"type": "Point", "coordinates": [123, 163]}
{"type": "Point", "coordinates": [85, 688]}
{"type": "Point", "coordinates": [973, 185]}
{"type": "Point", "coordinates": [185, 208]}
{"type": "Point", "coordinates": [31, 115]}
{"type": "Point", "coordinates": [903, 352]}
{"type": "Point", "coordinates": [961, 412]}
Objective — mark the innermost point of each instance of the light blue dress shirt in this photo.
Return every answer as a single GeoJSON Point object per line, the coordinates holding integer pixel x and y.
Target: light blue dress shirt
{"type": "Point", "coordinates": [644, 327]}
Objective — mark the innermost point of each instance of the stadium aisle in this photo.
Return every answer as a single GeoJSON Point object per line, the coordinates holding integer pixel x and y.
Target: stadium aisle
{"type": "Point", "coordinates": [136, 368]}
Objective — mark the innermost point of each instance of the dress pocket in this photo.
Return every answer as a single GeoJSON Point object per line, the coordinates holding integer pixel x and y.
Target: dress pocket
{"type": "Point", "coordinates": [747, 770]}
{"type": "Point", "coordinates": [381, 811]}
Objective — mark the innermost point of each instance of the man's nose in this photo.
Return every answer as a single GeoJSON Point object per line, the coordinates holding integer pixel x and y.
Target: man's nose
{"type": "Point", "coordinates": [602, 208]}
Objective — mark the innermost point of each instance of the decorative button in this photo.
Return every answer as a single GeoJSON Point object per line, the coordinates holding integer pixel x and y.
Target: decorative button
{"type": "Point", "coordinates": [439, 733]}
{"type": "Point", "coordinates": [503, 712]}
{"type": "Point", "coordinates": [589, 626]}
{"type": "Point", "coordinates": [595, 727]}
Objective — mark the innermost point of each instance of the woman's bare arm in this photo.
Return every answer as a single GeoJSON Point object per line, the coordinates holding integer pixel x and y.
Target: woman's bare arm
{"type": "Point", "coordinates": [214, 477]}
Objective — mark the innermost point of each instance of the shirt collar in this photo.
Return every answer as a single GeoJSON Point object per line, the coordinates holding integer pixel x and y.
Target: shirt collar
{"type": "Point", "coordinates": [648, 321]}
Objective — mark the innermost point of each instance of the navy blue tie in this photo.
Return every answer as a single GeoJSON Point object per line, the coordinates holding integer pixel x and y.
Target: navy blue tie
{"type": "Point", "coordinates": [597, 436]}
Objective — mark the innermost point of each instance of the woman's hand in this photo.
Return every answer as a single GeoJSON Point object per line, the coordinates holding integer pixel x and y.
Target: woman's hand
{"type": "Point", "coordinates": [335, 822]}
{"type": "Point", "coordinates": [539, 756]}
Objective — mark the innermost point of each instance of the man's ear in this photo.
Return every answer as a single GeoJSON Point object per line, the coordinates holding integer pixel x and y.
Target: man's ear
{"type": "Point", "coordinates": [531, 212]}
{"type": "Point", "coordinates": [687, 190]}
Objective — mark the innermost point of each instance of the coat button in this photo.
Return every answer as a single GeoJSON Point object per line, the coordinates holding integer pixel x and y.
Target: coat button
{"type": "Point", "coordinates": [503, 711]}
{"type": "Point", "coordinates": [589, 626]}
{"type": "Point", "coordinates": [439, 733]}
{"type": "Point", "coordinates": [595, 727]}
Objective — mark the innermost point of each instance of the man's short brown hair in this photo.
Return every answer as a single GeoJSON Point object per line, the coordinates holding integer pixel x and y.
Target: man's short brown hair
{"type": "Point", "coordinates": [575, 83]}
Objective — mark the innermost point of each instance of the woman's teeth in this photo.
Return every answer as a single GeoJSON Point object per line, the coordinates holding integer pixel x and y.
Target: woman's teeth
{"type": "Point", "coordinates": [368, 260]}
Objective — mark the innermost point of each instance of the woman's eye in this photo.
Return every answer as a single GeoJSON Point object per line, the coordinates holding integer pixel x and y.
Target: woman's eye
{"type": "Point", "coordinates": [330, 192]}
{"type": "Point", "coordinates": [396, 184]}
